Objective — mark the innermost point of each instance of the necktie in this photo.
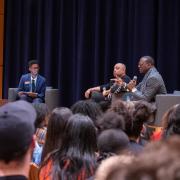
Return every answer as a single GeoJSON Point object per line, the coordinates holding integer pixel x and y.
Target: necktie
{"type": "Point", "coordinates": [33, 85]}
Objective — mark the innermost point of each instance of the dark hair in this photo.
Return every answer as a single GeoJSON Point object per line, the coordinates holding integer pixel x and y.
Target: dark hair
{"type": "Point", "coordinates": [31, 62]}
{"type": "Point", "coordinates": [171, 121]}
{"type": "Point", "coordinates": [77, 153]}
{"type": "Point", "coordinates": [141, 113]}
{"type": "Point", "coordinates": [149, 59]}
{"type": "Point", "coordinates": [42, 111]}
{"type": "Point", "coordinates": [88, 108]}
{"type": "Point", "coordinates": [159, 161]}
{"type": "Point", "coordinates": [105, 105]}
{"type": "Point", "coordinates": [55, 129]}
{"type": "Point", "coordinates": [111, 142]}
{"type": "Point", "coordinates": [120, 108]}
{"type": "Point", "coordinates": [111, 120]}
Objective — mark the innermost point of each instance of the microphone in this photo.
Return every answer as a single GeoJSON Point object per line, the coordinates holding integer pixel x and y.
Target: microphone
{"type": "Point", "coordinates": [135, 78]}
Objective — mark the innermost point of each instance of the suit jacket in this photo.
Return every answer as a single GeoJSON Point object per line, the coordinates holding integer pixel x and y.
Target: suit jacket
{"type": "Point", "coordinates": [151, 85]}
{"type": "Point", "coordinates": [25, 85]}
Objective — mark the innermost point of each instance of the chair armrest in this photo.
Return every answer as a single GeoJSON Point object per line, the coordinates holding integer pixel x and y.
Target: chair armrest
{"type": "Point", "coordinates": [12, 94]}
{"type": "Point", "coordinates": [163, 103]}
{"type": "Point", "coordinates": [52, 98]}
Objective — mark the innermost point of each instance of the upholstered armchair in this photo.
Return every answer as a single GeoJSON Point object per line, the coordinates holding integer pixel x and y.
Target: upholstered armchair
{"type": "Point", "coordinates": [52, 97]}
{"type": "Point", "coordinates": [163, 103]}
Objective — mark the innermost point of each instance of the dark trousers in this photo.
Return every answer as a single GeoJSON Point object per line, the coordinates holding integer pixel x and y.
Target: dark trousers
{"type": "Point", "coordinates": [30, 99]}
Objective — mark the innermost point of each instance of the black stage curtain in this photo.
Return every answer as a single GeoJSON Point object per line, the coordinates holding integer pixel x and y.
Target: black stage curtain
{"type": "Point", "coordinates": [77, 42]}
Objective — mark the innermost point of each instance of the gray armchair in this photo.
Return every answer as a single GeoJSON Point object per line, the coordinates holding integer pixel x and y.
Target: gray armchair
{"type": "Point", "coordinates": [163, 103]}
{"type": "Point", "coordinates": [52, 97]}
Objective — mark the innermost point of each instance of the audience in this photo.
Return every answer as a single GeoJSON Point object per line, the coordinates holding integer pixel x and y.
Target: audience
{"type": "Point", "coordinates": [159, 161]}
{"type": "Point", "coordinates": [72, 143]}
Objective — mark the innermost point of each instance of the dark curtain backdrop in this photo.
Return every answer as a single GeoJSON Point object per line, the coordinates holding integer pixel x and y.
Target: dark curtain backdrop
{"type": "Point", "coordinates": [77, 42]}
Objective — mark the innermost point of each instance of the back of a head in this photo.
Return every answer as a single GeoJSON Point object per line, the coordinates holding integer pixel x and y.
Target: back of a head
{"type": "Point", "coordinates": [120, 108]}
{"type": "Point", "coordinates": [80, 135]}
{"type": "Point", "coordinates": [42, 113]}
{"type": "Point", "coordinates": [87, 108]}
{"type": "Point", "coordinates": [55, 129]}
{"type": "Point", "coordinates": [113, 141]}
{"type": "Point", "coordinates": [159, 161]}
{"type": "Point", "coordinates": [141, 113]}
{"type": "Point", "coordinates": [16, 130]}
{"type": "Point", "coordinates": [171, 121]}
{"type": "Point", "coordinates": [111, 120]}
{"type": "Point", "coordinates": [76, 157]}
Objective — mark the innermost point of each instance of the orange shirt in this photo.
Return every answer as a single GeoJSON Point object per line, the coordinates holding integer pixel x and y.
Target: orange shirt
{"type": "Point", "coordinates": [46, 171]}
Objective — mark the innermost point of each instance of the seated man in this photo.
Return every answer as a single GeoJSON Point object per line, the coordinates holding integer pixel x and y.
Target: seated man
{"type": "Point", "coordinates": [16, 139]}
{"type": "Point", "coordinates": [152, 83]}
{"type": "Point", "coordinates": [32, 86]}
{"type": "Point", "coordinates": [120, 77]}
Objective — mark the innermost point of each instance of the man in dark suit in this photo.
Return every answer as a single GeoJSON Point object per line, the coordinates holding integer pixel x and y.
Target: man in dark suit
{"type": "Point", "coordinates": [152, 83]}
{"type": "Point", "coordinates": [32, 86]}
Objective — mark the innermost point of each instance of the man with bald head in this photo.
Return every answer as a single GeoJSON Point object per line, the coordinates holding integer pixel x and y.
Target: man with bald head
{"type": "Point", "coordinates": [152, 83]}
{"type": "Point", "coordinates": [120, 76]}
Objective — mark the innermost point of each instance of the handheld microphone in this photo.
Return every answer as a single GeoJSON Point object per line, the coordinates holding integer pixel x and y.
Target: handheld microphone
{"type": "Point", "coordinates": [135, 78]}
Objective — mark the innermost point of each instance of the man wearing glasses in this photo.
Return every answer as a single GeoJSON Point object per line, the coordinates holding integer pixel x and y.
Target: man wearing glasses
{"type": "Point", "coordinates": [32, 86]}
{"type": "Point", "coordinates": [152, 83]}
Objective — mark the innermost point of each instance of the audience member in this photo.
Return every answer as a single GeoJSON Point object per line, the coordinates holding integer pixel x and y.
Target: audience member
{"type": "Point", "coordinates": [55, 130]}
{"type": "Point", "coordinates": [159, 161]}
{"type": "Point", "coordinates": [140, 114]}
{"type": "Point", "coordinates": [171, 121]}
{"type": "Point", "coordinates": [40, 126]}
{"type": "Point", "coordinates": [87, 108]}
{"type": "Point", "coordinates": [111, 120]}
{"type": "Point", "coordinates": [16, 139]}
{"type": "Point", "coordinates": [75, 159]}
{"type": "Point", "coordinates": [111, 142]}
{"type": "Point", "coordinates": [120, 108]}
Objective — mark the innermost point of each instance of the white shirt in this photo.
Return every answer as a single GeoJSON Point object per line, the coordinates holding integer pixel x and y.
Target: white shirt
{"type": "Point", "coordinates": [35, 80]}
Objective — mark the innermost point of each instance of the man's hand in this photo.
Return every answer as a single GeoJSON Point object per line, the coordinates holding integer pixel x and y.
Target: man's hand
{"type": "Point", "coordinates": [106, 92]}
{"type": "Point", "coordinates": [20, 93]}
{"type": "Point", "coordinates": [131, 85]}
{"type": "Point", "coordinates": [32, 94]}
{"type": "Point", "coordinates": [87, 93]}
{"type": "Point", "coordinates": [118, 81]}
